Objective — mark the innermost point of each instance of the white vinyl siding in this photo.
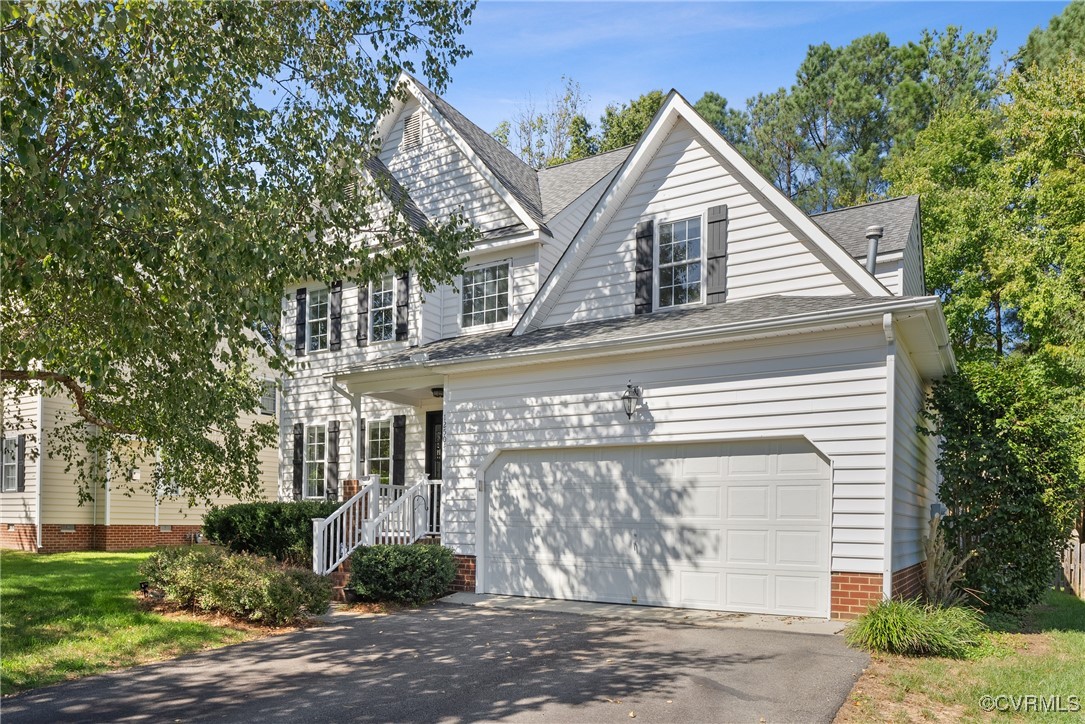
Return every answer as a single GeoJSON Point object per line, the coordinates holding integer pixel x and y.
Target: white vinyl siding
{"type": "Point", "coordinates": [20, 416]}
{"type": "Point", "coordinates": [829, 388]}
{"type": "Point", "coordinates": [439, 177]}
{"type": "Point", "coordinates": [915, 478]}
{"type": "Point", "coordinates": [764, 256]}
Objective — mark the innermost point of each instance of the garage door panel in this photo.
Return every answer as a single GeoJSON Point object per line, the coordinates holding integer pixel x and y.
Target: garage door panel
{"type": "Point", "coordinates": [741, 527]}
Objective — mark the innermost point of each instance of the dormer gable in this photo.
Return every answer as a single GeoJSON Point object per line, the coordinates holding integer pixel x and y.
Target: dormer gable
{"type": "Point", "coordinates": [681, 172]}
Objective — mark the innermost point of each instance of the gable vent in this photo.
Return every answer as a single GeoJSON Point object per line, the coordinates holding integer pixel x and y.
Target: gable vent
{"type": "Point", "coordinates": [412, 131]}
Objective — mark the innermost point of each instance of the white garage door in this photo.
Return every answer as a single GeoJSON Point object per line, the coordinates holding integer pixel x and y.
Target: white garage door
{"type": "Point", "coordinates": [733, 527]}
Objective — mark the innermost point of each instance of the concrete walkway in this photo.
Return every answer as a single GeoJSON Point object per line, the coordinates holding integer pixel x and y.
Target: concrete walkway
{"type": "Point", "coordinates": [456, 663]}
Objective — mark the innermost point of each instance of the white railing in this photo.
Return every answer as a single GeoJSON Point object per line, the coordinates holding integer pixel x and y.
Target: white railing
{"type": "Point", "coordinates": [378, 513]}
{"type": "Point", "coordinates": [342, 532]}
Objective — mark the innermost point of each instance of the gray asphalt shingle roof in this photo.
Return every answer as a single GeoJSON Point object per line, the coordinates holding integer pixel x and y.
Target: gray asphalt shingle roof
{"type": "Point", "coordinates": [563, 184]}
{"type": "Point", "coordinates": [848, 226]}
{"type": "Point", "coordinates": [623, 328]}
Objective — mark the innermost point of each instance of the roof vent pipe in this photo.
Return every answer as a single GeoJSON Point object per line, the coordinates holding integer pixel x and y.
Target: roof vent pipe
{"type": "Point", "coordinates": [873, 236]}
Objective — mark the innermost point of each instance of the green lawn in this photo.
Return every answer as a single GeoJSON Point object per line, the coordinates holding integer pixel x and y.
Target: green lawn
{"type": "Point", "coordinates": [1042, 654]}
{"type": "Point", "coordinates": [73, 614]}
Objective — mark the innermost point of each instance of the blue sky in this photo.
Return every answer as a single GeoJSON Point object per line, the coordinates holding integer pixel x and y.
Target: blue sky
{"type": "Point", "coordinates": [619, 50]}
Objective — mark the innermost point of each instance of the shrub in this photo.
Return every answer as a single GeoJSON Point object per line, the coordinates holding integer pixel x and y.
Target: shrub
{"type": "Point", "coordinates": [944, 568]}
{"type": "Point", "coordinates": [283, 531]}
{"type": "Point", "coordinates": [401, 573]}
{"type": "Point", "coordinates": [240, 585]}
{"type": "Point", "coordinates": [909, 628]}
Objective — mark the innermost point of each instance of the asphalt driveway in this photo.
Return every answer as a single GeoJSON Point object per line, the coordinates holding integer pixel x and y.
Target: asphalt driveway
{"type": "Point", "coordinates": [453, 663]}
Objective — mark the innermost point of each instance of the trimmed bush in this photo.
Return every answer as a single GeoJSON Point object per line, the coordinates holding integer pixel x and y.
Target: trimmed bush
{"type": "Point", "coordinates": [246, 587]}
{"type": "Point", "coordinates": [909, 628]}
{"type": "Point", "coordinates": [401, 573]}
{"type": "Point", "coordinates": [283, 531]}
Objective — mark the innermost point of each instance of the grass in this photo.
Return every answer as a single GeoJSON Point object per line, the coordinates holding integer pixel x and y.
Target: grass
{"type": "Point", "coordinates": [1041, 653]}
{"type": "Point", "coordinates": [69, 615]}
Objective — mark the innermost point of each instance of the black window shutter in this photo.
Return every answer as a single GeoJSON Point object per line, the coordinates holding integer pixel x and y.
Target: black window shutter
{"type": "Point", "coordinates": [363, 315]}
{"type": "Point", "coordinates": [299, 324]}
{"type": "Point", "coordinates": [299, 459]}
{"type": "Point", "coordinates": [645, 240]}
{"type": "Point", "coordinates": [331, 483]}
{"type": "Point", "coordinates": [399, 450]}
{"type": "Point", "coordinates": [20, 464]}
{"type": "Point", "coordinates": [716, 288]}
{"type": "Point", "coordinates": [335, 316]}
{"type": "Point", "coordinates": [403, 302]}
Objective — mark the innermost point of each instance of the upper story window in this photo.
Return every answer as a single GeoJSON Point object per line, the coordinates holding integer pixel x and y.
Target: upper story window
{"type": "Point", "coordinates": [9, 465]}
{"type": "Point", "coordinates": [382, 310]}
{"type": "Point", "coordinates": [380, 450]}
{"type": "Point", "coordinates": [316, 439]}
{"type": "Point", "coordinates": [318, 320]}
{"type": "Point", "coordinates": [267, 397]}
{"type": "Point", "coordinates": [486, 295]}
{"type": "Point", "coordinates": [679, 261]}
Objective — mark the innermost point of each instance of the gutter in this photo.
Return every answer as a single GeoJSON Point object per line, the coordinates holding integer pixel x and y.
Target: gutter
{"type": "Point", "coordinates": [661, 339]}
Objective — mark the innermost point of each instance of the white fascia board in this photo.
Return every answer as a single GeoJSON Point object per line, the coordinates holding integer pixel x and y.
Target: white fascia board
{"type": "Point", "coordinates": [465, 149]}
{"type": "Point", "coordinates": [510, 242]}
{"type": "Point", "coordinates": [605, 208]}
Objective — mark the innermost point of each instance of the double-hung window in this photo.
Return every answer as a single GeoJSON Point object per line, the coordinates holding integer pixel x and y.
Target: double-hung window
{"type": "Point", "coordinates": [267, 397]}
{"type": "Point", "coordinates": [679, 262]}
{"type": "Point", "coordinates": [9, 465]}
{"type": "Point", "coordinates": [380, 450]}
{"type": "Point", "coordinates": [318, 320]}
{"type": "Point", "coordinates": [316, 444]}
{"type": "Point", "coordinates": [382, 310]}
{"type": "Point", "coordinates": [486, 295]}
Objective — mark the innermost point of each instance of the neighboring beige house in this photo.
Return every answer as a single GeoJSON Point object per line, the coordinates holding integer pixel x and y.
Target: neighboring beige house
{"type": "Point", "coordinates": [39, 503]}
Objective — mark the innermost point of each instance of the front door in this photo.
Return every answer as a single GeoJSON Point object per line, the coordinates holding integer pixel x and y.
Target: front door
{"type": "Point", "coordinates": [434, 448]}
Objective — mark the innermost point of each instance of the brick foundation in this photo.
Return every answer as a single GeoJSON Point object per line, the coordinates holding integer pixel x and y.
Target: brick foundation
{"type": "Point", "coordinates": [86, 537]}
{"type": "Point", "coordinates": [908, 582]}
{"type": "Point", "coordinates": [853, 592]}
{"type": "Point", "coordinates": [19, 536]}
{"type": "Point", "coordinates": [465, 574]}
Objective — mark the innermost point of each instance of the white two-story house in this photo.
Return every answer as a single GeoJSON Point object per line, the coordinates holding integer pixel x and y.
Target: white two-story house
{"type": "Point", "coordinates": [656, 382]}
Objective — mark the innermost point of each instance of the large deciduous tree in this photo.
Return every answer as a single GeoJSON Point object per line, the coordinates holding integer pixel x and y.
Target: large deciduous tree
{"type": "Point", "coordinates": [167, 170]}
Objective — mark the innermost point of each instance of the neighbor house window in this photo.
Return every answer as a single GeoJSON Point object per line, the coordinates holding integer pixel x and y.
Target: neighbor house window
{"type": "Point", "coordinates": [679, 263]}
{"type": "Point", "coordinates": [486, 295]}
{"type": "Point", "coordinates": [318, 320]}
{"type": "Point", "coordinates": [316, 439]}
{"type": "Point", "coordinates": [382, 310]}
{"type": "Point", "coordinates": [267, 397]}
{"type": "Point", "coordinates": [9, 473]}
{"type": "Point", "coordinates": [380, 450]}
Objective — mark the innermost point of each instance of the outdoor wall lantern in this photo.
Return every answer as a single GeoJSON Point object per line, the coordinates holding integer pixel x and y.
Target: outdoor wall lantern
{"type": "Point", "coordinates": [630, 399]}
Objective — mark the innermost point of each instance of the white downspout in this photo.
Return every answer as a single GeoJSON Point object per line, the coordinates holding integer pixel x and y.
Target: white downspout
{"type": "Point", "coordinates": [890, 448]}
{"type": "Point", "coordinates": [40, 466]}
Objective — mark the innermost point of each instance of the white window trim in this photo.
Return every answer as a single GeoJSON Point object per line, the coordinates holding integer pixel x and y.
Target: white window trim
{"type": "Point", "coordinates": [369, 307]}
{"type": "Point", "coordinates": [656, 226]}
{"type": "Point", "coordinates": [14, 465]}
{"type": "Point", "coordinates": [264, 384]}
{"type": "Point", "coordinates": [369, 427]}
{"type": "Point", "coordinates": [306, 460]}
{"type": "Point", "coordinates": [487, 326]}
{"type": "Point", "coordinates": [309, 319]}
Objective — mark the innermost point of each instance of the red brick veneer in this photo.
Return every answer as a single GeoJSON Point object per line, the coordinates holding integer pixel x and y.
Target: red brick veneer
{"type": "Point", "coordinates": [853, 592]}
{"type": "Point", "coordinates": [21, 536]}
{"type": "Point", "coordinates": [465, 574]}
{"type": "Point", "coordinates": [908, 582]}
{"type": "Point", "coordinates": [87, 537]}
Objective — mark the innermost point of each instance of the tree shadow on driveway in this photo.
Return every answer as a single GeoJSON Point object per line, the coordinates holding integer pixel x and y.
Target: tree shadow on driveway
{"type": "Point", "coordinates": [455, 664]}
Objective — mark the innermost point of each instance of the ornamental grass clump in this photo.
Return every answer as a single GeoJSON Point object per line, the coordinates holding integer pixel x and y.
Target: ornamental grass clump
{"type": "Point", "coordinates": [910, 628]}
